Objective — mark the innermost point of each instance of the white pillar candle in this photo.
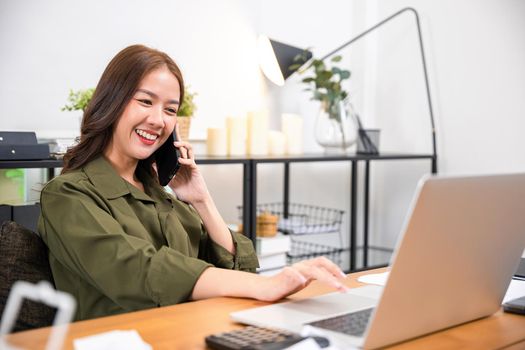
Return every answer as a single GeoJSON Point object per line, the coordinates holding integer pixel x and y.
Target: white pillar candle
{"type": "Point", "coordinates": [292, 126]}
{"type": "Point", "coordinates": [257, 140]}
{"type": "Point", "coordinates": [236, 127]}
{"type": "Point", "coordinates": [276, 143]}
{"type": "Point", "coordinates": [216, 143]}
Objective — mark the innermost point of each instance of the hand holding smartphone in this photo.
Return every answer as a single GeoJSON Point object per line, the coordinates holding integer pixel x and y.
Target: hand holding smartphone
{"type": "Point", "coordinates": [167, 159]}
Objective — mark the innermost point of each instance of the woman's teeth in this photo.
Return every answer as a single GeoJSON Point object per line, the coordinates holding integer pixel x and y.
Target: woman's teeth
{"type": "Point", "coordinates": [146, 135]}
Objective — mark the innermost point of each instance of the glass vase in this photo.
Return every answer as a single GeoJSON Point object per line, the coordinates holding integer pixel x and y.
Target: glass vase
{"type": "Point", "coordinates": [335, 128]}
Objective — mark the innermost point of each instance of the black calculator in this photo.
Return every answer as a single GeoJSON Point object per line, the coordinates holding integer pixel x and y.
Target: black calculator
{"type": "Point", "coordinates": [257, 338]}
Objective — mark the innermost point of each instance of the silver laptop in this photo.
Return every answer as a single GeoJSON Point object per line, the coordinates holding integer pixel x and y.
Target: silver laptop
{"type": "Point", "coordinates": [461, 244]}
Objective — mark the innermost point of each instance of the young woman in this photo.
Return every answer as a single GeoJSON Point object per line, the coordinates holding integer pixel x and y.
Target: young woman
{"type": "Point", "coordinates": [117, 240]}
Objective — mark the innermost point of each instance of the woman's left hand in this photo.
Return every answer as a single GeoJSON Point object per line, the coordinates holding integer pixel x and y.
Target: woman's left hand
{"type": "Point", "coordinates": [188, 184]}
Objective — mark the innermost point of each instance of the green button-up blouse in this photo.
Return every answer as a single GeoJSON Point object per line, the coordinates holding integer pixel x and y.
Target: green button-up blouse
{"type": "Point", "coordinates": [117, 249]}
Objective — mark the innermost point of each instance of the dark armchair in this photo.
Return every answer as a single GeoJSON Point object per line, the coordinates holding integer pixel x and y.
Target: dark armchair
{"type": "Point", "coordinates": [23, 256]}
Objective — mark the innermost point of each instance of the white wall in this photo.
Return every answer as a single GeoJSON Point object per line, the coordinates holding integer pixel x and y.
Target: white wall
{"type": "Point", "coordinates": [52, 46]}
{"type": "Point", "coordinates": [475, 51]}
{"type": "Point", "coordinates": [476, 55]}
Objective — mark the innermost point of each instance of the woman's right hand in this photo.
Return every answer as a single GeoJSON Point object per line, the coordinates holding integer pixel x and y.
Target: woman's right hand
{"type": "Point", "coordinates": [297, 276]}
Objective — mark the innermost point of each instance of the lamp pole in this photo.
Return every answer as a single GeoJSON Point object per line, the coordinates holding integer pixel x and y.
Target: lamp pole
{"type": "Point", "coordinates": [423, 60]}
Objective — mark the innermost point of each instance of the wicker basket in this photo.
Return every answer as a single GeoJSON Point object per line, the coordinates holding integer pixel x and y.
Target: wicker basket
{"type": "Point", "coordinates": [184, 127]}
{"type": "Point", "coordinates": [267, 225]}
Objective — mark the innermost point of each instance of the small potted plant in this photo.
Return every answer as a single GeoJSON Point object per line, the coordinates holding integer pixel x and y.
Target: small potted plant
{"type": "Point", "coordinates": [185, 112]}
{"type": "Point", "coordinates": [78, 100]}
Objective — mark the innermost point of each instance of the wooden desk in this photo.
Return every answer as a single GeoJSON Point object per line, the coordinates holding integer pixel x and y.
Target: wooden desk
{"type": "Point", "coordinates": [184, 326]}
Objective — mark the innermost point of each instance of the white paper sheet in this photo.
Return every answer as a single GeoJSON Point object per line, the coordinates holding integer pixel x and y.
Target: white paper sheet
{"type": "Point", "coordinates": [307, 344]}
{"type": "Point", "coordinates": [374, 278]}
{"type": "Point", "coordinates": [112, 340]}
{"type": "Point", "coordinates": [515, 290]}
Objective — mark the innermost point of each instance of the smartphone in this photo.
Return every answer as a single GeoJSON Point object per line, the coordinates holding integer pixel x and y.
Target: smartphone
{"type": "Point", "coordinates": [167, 159]}
{"type": "Point", "coordinates": [516, 306]}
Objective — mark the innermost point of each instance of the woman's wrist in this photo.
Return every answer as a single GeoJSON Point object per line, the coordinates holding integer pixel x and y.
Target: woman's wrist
{"type": "Point", "coordinates": [261, 288]}
{"type": "Point", "coordinates": [214, 224]}
{"type": "Point", "coordinates": [216, 282]}
{"type": "Point", "coordinates": [204, 203]}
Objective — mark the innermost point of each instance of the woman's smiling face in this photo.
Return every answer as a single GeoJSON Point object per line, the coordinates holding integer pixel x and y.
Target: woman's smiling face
{"type": "Point", "coordinates": [148, 119]}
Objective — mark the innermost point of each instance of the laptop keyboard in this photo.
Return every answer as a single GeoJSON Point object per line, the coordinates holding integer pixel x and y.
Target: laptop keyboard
{"type": "Point", "coordinates": [352, 324]}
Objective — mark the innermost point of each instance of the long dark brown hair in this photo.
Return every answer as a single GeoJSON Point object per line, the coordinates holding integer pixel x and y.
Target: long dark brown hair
{"type": "Point", "coordinates": [115, 89]}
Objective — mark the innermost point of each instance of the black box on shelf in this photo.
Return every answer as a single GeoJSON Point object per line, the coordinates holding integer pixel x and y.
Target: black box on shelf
{"type": "Point", "coordinates": [24, 152]}
{"type": "Point", "coordinates": [17, 145]}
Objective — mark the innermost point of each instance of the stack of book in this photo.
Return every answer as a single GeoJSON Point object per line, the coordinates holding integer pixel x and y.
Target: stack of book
{"type": "Point", "coordinates": [271, 252]}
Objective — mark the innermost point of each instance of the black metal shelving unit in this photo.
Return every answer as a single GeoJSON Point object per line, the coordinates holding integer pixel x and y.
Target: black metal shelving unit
{"type": "Point", "coordinates": [250, 184]}
{"type": "Point", "coordinates": [354, 159]}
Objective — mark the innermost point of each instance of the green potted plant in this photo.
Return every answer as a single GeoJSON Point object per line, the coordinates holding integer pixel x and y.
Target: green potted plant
{"type": "Point", "coordinates": [78, 100]}
{"type": "Point", "coordinates": [335, 129]}
{"type": "Point", "coordinates": [188, 106]}
{"type": "Point", "coordinates": [185, 112]}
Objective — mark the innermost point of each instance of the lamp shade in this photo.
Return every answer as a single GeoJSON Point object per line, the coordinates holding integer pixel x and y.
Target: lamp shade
{"type": "Point", "coordinates": [275, 59]}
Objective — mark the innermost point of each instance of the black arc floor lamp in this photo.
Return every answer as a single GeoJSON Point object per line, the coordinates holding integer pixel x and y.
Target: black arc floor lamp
{"type": "Point", "coordinates": [279, 57]}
